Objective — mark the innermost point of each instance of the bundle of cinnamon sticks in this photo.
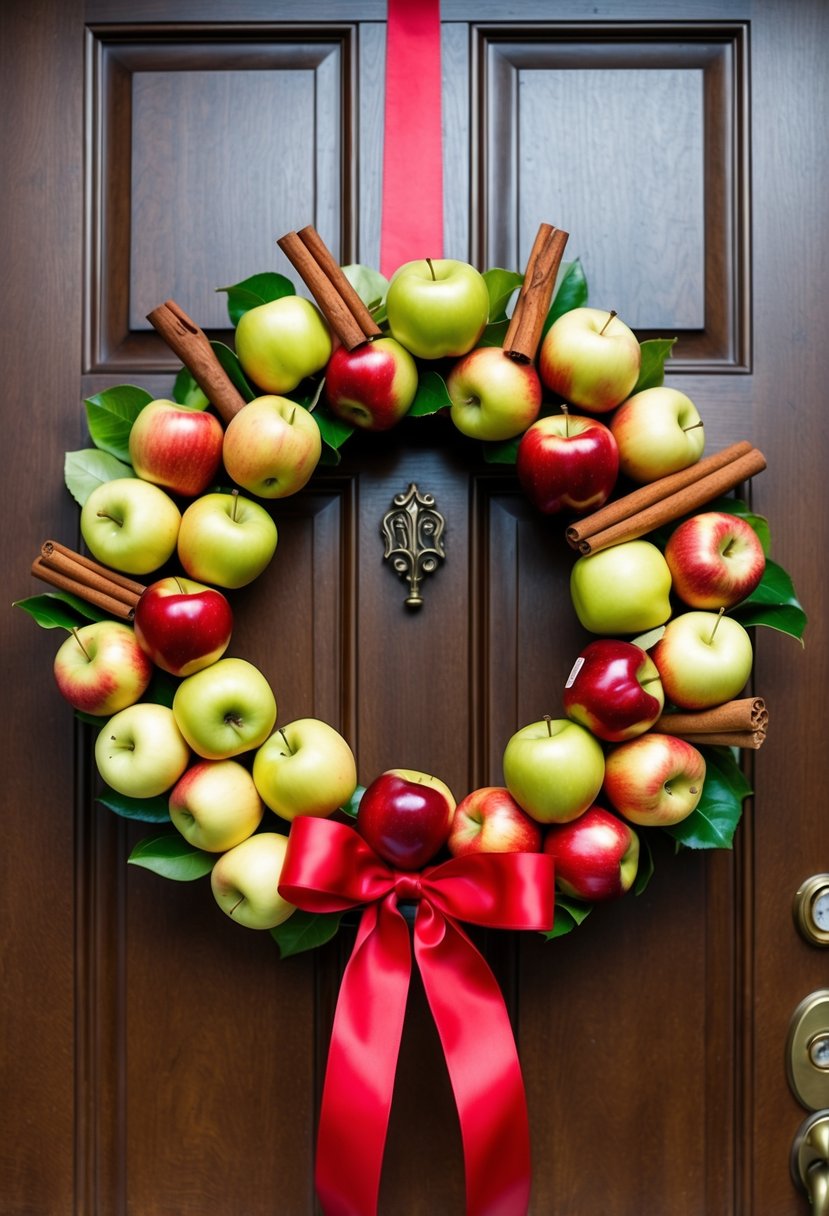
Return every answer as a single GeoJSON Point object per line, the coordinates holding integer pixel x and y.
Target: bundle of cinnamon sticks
{"type": "Point", "coordinates": [530, 312]}
{"type": "Point", "coordinates": [69, 571]}
{"type": "Point", "coordinates": [338, 302]}
{"type": "Point", "coordinates": [669, 498]}
{"type": "Point", "coordinates": [740, 723]}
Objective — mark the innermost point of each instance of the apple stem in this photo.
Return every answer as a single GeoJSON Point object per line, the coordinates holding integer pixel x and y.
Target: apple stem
{"type": "Point", "coordinates": [610, 317]}
{"type": "Point", "coordinates": [716, 625]}
{"type": "Point", "coordinates": [77, 638]}
{"type": "Point", "coordinates": [178, 584]}
{"type": "Point", "coordinates": [549, 721]}
{"type": "Point", "coordinates": [693, 426]}
{"type": "Point", "coordinates": [565, 411]}
{"type": "Point", "coordinates": [285, 740]}
{"type": "Point", "coordinates": [431, 268]}
{"type": "Point", "coordinates": [240, 900]}
{"type": "Point", "coordinates": [235, 496]}
{"type": "Point", "coordinates": [106, 515]}
{"type": "Point", "coordinates": [293, 415]}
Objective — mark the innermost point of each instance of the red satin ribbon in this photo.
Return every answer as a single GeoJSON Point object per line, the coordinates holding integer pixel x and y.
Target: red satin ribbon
{"type": "Point", "coordinates": [330, 868]}
{"type": "Point", "coordinates": [412, 225]}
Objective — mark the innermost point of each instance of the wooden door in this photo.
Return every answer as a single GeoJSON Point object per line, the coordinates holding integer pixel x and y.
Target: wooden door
{"type": "Point", "coordinates": [158, 1059]}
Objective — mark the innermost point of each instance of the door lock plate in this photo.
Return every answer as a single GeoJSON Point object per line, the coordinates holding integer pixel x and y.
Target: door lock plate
{"type": "Point", "coordinates": [807, 1051]}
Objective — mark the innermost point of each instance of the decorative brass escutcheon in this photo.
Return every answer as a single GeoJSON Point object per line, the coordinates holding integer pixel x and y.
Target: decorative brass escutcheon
{"type": "Point", "coordinates": [807, 1051]}
{"type": "Point", "coordinates": [413, 535]}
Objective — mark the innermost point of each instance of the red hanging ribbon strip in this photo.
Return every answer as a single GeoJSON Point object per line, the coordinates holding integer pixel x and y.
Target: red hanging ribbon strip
{"type": "Point", "coordinates": [329, 868]}
{"type": "Point", "coordinates": [412, 221]}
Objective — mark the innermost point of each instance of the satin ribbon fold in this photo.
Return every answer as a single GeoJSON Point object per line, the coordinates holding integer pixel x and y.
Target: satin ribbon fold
{"type": "Point", "coordinates": [330, 868]}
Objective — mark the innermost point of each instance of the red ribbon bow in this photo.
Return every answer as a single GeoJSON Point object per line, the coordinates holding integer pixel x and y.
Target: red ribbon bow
{"type": "Point", "coordinates": [330, 868]}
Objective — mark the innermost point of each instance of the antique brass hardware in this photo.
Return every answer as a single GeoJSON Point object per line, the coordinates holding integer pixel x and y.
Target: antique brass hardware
{"type": "Point", "coordinates": [810, 1161]}
{"type": "Point", "coordinates": [807, 1051]}
{"type": "Point", "coordinates": [413, 535]}
{"type": "Point", "coordinates": [811, 909]}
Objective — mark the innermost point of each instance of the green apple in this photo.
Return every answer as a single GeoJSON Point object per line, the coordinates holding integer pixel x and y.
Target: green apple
{"type": "Point", "coordinates": [225, 709]}
{"type": "Point", "coordinates": [101, 668]}
{"type": "Point", "coordinates": [493, 396]}
{"type": "Point", "coordinates": [623, 589]}
{"type": "Point", "coordinates": [658, 431]}
{"type": "Point", "coordinates": [130, 525]}
{"type": "Point", "coordinates": [553, 769]}
{"type": "Point", "coordinates": [437, 307]}
{"type": "Point", "coordinates": [272, 447]}
{"type": "Point", "coordinates": [245, 881]}
{"type": "Point", "coordinates": [226, 540]}
{"type": "Point", "coordinates": [703, 659]}
{"type": "Point", "coordinates": [215, 805]}
{"type": "Point", "coordinates": [140, 751]}
{"type": "Point", "coordinates": [281, 342]}
{"type": "Point", "coordinates": [305, 768]}
{"type": "Point", "coordinates": [590, 358]}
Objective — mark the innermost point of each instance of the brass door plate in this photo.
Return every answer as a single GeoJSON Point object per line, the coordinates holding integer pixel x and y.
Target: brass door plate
{"type": "Point", "coordinates": [807, 1051]}
{"type": "Point", "coordinates": [811, 909]}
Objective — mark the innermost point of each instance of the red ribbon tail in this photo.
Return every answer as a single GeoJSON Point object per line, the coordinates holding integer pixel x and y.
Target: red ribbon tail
{"type": "Point", "coordinates": [484, 1069]}
{"type": "Point", "coordinates": [362, 1060]}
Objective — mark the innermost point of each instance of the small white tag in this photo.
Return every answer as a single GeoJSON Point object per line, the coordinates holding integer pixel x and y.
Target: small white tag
{"type": "Point", "coordinates": [577, 666]}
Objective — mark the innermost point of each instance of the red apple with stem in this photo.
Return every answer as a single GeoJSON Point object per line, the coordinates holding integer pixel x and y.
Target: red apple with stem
{"type": "Point", "coordinates": [405, 816]}
{"type": "Point", "coordinates": [493, 396]}
{"type": "Point", "coordinates": [716, 560]}
{"type": "Point", "coordinates": [489, 820]}
{"type": "Point", "coordinates": [596, 856]}
{"type": "Point", "coordinates": [614, 690]}
{"type": "Point", "coordinates": [176, 447]}
{"type": "Point", "coordinates": [590, 358]}
{"type": "Point", "coordinates": [101, 669]}
{"type": "Point", "coordinates": [183, 625]}
{"type": "Point", "coordinates": [372, 386]}
{"type": "Point", "coordinates": [655, 780]}
{"type": "Point", "coordinates": [567, 462]}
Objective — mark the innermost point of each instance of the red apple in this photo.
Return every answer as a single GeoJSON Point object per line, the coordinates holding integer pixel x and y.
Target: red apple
{"type": "Point", "coordinates": [373, 385]}
{"type": "Point", "coordinates": [715, 560]}
{"type": "Point", "coordinates": [101, 669]}
{"type": "Point", "coordinates": [614, 690]}
{"type": "Point", "coordinates": [596, 856]}
{"type": "Point", "coordinates": [567, 463]}
{"type": "Point", "coordinates": [489, 820]}
{"type": "Point", "coordinates": [405, 816]}
{"type": "Point", "coordinates": [176, 447]}
{"type": "Point", "coordinates": [654, 780]}
{"type": "Point", "coordinates": [182, 625]}
{"type": "Point", "coordinates": [493, 397]}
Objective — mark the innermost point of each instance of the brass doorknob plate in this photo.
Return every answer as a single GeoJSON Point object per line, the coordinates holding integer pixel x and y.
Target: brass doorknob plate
{"type": "Point", "coordinates": [810, 1161]}
{"type": "Point", "coordinates": [807, 1051]}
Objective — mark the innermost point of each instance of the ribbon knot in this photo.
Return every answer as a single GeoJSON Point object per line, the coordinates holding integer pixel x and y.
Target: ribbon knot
{"type": "Point", "coordinates": [329, 868]}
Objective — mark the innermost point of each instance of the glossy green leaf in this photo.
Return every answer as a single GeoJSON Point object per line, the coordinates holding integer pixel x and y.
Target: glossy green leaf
{"type": "Point", "coordinates": [652, 368]}
{"type": "Point", "coordinates": [334, 432]}
{"type": "Point", "coordinates": [570, 913]}
{"type": "Point", "coordinates": [571, 293]}
{"type": "Point", "coordinates": [230, 362]}
{"type": "Point", "coordinates": [774, 603]}
{"type": "Point", "coordinates": [110, 415]}
{"type": "Point", "coordinates": [371, 286]}
{"type": "Point", "coordinates": [432, 395]}
{"type": "Point", "coordinates": [256, 290]}
{"type": "Point", "coordinates": [713, 824]}
{"type": "Point", "coordinates": [502, 453]}
{"type": "Point", "coordinates": [148, 810]}
{"type": "Point", "coordinates": [60, 610]}
{"type": "Point", "coordinates": [352, 806]}
{"type": "Point", "coordinates": [305, 931]}
{"type": "Point", "coordinates": [172, 856]}
{"type": "Point", "coordinates": [645, 870]}
{"type": "Point", "coordinates": [187, 392]}
{"type": "Point", "coordinates": [501, 285]}
{"type": "Point", "coordinates": [85, 470]}
{"type": "Point", "coordinates": [494, 334]}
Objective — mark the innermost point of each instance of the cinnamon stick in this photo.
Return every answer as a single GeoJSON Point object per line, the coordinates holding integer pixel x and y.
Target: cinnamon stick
{"type": "Point", "coordinates": [343, 310]}
{"type": "Point", "coordinates": [740, 723]}
{"type": "Point", "coordinates": [667, 503]}
{"type": "Point", "coordinates": [106, 589]}
{"type": "Point", "coordinates": [61, 557]}
{"type": "Point", "coordinates": [530, 312]}
{"type": "Point", "coordinates": [192, 346]}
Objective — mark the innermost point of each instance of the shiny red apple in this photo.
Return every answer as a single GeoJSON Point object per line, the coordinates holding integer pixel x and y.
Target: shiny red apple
{"type": "Point", "coordinates": [176, 447]}
{"type": "Point", "coordinates": [405, 816]}
{"type": "Point", "coordinates": [489, 820]}
{"type": "Point", "coordinates": [596, 856]}
{"type": "Point", "coordinates": [614, 690]}
{"type": "Point", "coordinates": [567, 463]}
{"type": "Point", "coordinates": [716, 560]}
{"type": "Point", "coordinates": [371, 386]}
{"type": "Point", "coordinates": [182, 625]}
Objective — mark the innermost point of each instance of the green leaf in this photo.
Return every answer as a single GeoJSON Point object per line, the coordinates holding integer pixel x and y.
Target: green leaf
{"type": "Point", "coordinates": [305, 931]}
{"type": "Point", "coordinates": [773, 602]}
{"type": "Point", "coordinates": [85, 470]}
{"type": "Point", "coordinates": [501, 284]}
{"type": "Point", "coordinates": [652, 368]}
{"type": "Point", "coordinates": [713, 823]}
{"type": "Point", "coordinates": [187, 392]}
{"type": "Point", "coordinates": [494, 334]}
{"type": "Point", "coordinates": [502, 453]}
{"type": "Point", "coordinates": [162, 688]}
{"type": "Point", "coordinates": [569, 915]}
{"type": "Point", "coordinates": [371, 286]}
{"type": "Point", "coordinates": [334, 432]}
{"type": "Point", "coordinates": [60, 610]}
{"type": "Point", "coordinates": [351, 807]}
{"type": "Point", "coordinates": [172, 856]}
{"type": "Point", "coordinates": [432, 395]}
{"type": "Point", "coordinates": [149, 810]}
{"type": "Point", "coordinates": [571, 293]}
{"type": "Point", "coordinates": [256, 290]}
{"type": "Point", "coordinates": [110, 415]}
{"type": "Point", "coordinates": [230, 362]}
{"type": "Point", "coordinates": [645, 870]}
